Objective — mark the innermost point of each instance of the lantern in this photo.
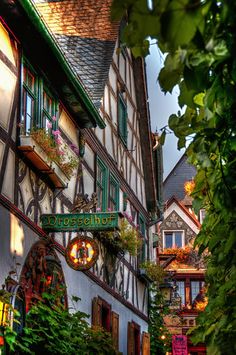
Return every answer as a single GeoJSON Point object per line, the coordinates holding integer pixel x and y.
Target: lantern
{"type": "Point", "coordinates": [4, 307]}
{"type": "Point", "coordinates": [166, 291]}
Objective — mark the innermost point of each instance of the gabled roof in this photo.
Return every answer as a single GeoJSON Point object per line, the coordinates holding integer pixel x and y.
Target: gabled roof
{"type": "Point", "coordinates": [86, 35]}
{"type": "Point", "coordinates": [191, 216]}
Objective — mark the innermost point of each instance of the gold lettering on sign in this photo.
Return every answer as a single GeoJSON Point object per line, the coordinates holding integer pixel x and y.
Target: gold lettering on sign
{"type": "Point", "coordinates": [96, 220]}
{"type": "Point", "coordinates": [86, 221]}
{"type": "Point", "coordinates": [73, 222]}
{"type": "Point", "coordinates": [80, 221]}
{"type": "Point", "coordinates": [66, 221]}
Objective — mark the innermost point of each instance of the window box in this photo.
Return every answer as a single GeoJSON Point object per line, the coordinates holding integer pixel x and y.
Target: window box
{"type": "Point", "coordinates": [38, 157]}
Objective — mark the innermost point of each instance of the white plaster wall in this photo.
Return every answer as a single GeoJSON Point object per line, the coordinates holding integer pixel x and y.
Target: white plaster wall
{"type": "Point", "coordinates": [14, 236]}
{"type": "Point", "coordinates": [7, 89]}
{"type": "Point", "coordinates": [8, 182]}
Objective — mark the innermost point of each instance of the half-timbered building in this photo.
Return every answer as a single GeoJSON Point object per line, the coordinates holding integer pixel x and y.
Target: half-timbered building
{"type": "Point", "coordinates": [177, 255]}
{"type": "Point", "coordinates": [75, 140]}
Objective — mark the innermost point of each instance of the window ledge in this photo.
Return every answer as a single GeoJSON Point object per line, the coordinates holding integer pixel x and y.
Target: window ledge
{"type": "Point", "coordinates": [38, 157]}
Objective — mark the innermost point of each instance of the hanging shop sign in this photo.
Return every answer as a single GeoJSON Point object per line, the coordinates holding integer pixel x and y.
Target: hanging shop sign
{"type": "Point", "coordinates": [81, 253]}
{"type": "Point", "coordinates": [103, 221]}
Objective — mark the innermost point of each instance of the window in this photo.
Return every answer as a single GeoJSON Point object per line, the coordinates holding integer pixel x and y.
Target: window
{"type": "Point", "coordinates": [102, 174]}
{"type": "Point", "coordinates": [28, 100]}
{"type": "Point", "coordinates": [101, 313]}
{"type": "Point", "coordinates": [38, 105]}
{"type": "Point", "coordinates": [181, 291]}
{"type": "Point", "coordinates": [142, 229]}
{"type": "Point", "coordinates": [107, 188]}
{"type": "Point", "coordinates": [196, 287]}
{"type": "Point", "coordinates": [48, 111]}
{"type": "Point", "coordinates": [113, 194]}
{"type": "Point", "coordinates": [102, 316]}
{"type": "Point", "coordinates": [173, 239]}
{"type": "Point", "coordinates": [133, 342]}
{"type": "Point", "coordinates": [122, 119]}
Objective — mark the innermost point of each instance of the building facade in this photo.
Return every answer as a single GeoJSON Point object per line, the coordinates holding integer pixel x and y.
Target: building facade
{"type": "Point", "coordinates": [186, 268]}
{"type": "Point", "coordinates": [75, 139]}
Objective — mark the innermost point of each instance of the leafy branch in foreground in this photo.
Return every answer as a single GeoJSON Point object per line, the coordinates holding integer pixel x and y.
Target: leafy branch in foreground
{"type": "Point", "coordinates": [200, 39]}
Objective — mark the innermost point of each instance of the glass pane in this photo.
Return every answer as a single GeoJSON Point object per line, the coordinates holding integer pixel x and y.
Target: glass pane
{"type": "Point", "coordinates": [30, 81]}
{"type": "Point", "coordinates": [99, 196]}
{"type": "Point", "coordinates": [29, 108]}
{"type": "Point", "coordinates": [181, 291]}
{"type": "Point", "coordinates": [178, 239]}
{"type": "Point", "coordinates": [99, 175]}
{"type": "Point", "coordinates": [168, 240]}
{"type": "Point", "coordinates": [195, 289]}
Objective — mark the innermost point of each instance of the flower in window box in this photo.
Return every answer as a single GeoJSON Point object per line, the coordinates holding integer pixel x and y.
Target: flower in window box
{"type": "Point", "coordinates": [55, 149]}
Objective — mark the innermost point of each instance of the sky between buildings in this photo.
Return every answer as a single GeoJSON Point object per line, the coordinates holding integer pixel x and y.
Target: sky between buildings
{"type": "Point", "coordinates": [161, 107]}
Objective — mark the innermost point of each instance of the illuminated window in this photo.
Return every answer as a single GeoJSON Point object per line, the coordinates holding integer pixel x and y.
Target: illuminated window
{"type": "Point", "coordinates": [173, 239]}
{"type": "Point", "coordinates": [196, 287]}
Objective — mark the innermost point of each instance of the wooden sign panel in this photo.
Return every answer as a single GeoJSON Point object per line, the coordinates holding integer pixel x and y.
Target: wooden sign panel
{"type": "Point", "coordinates": [102, 221]}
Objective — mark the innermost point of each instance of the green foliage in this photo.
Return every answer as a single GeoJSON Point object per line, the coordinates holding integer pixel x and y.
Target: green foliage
{"type": "Point", "coordinates": [52, 329]}
{"type": "Point", "coordinates": [160, 338]}
{"type": "Point", "coordinates": [154, 271]}
{"type": "Point", "coordinates": [200, 39]}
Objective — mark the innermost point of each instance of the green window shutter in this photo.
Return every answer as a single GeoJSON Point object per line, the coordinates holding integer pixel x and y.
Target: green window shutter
{"type": "Point", "coordinates": [102, 184]}
{"type": "Point", "coordinates": [122, 120]}
{"type": "Point", "coordinates": [113, 194]}
{"type": "Point", "coordinates": [142, 229]}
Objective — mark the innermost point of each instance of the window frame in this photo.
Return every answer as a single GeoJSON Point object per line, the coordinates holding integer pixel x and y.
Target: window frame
{"type": "Point", "coordinates": [166, 231]}
{"type": "Point", "coordinates": [41, 88]}
{"type": "Point", "coordinates": [142, 231]}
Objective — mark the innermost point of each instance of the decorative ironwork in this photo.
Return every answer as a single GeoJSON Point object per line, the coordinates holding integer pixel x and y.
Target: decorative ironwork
{"type": "Point", "coordinates": [83, 203]}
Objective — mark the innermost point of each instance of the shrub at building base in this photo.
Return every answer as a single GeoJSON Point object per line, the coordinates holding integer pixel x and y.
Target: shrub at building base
{"type": "Point", "coordinates": [52, 329]}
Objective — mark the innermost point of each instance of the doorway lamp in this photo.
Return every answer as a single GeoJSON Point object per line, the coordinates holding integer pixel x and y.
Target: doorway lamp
{"type": "Point", "coordinates": [4, 311]}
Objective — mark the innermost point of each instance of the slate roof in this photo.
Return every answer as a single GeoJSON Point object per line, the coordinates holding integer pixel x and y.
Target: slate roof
{"type": "Point", "coordinates": [174, 182]}
{"type": "Point", "coordinates": [87, 37]}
